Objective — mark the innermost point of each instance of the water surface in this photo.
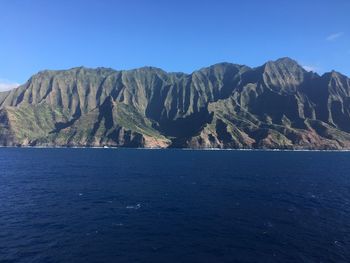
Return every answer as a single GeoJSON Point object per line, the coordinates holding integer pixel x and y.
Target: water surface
{"type": "Point", "coordinates": [108, 205]}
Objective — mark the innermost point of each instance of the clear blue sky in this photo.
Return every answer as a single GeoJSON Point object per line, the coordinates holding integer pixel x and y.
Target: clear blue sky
{"type": "Point", "coordinates": [173, 35]}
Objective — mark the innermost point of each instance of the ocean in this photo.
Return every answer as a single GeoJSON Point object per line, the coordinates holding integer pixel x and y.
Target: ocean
{"type": "Point", "coordinates": [133, 205]}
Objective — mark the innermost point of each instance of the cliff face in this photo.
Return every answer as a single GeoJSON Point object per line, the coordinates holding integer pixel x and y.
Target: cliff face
{"type": "Point", "coordinates": [277, 105]}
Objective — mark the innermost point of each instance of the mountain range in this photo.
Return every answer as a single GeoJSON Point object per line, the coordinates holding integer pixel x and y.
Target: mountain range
{"type": "Point", "coordinates": [278, 105]}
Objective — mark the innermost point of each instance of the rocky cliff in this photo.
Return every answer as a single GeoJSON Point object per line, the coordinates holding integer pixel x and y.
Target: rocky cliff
{"type": "Point", "coordinates": [277, 105]}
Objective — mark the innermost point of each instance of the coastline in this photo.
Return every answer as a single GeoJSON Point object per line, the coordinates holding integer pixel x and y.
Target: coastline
{"type": "Point", "coordinates": [179, 149]}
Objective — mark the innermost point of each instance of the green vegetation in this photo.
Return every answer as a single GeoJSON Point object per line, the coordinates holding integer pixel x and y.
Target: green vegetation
{"type": "Point", "coordinates": [277, 105]}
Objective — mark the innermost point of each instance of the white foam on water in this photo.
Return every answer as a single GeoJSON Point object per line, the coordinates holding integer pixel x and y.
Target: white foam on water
{"type": "Point", "coordinates": [180, 149]}
{"type": "Point", "coordinates": [137, 206]}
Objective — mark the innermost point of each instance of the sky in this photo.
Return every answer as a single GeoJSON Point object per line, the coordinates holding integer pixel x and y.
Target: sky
{"type": "Point", "coordinates": [172, 35]}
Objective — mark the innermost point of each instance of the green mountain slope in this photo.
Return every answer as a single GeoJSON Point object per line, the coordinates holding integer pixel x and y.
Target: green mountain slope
{"type": "Point", "coordinates": [277, 105]}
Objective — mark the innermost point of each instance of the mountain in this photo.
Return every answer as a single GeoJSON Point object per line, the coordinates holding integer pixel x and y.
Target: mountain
{"type": "Point", "coordinates": [277, 105]}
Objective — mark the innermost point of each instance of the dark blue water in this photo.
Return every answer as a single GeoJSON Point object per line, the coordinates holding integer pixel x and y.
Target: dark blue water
{"type": "Point", "coordinates": [103, 205]}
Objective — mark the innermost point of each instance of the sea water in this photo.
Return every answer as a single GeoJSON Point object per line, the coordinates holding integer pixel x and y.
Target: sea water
{"type": "Point", "coordinates": [129, 205]}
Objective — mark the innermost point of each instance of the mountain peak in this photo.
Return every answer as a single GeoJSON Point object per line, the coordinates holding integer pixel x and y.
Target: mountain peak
{"type": "Point", "coordinates": [284, 74]}
{"type": "Point", "coordinates": [286, 59]}
{"type": "Point", "coordinates": [334, 74]}
{"type": "Point", "coordinates": [284, 62]}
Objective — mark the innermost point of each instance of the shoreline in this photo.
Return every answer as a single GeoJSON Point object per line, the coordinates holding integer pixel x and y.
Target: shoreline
{"type": "Point", "coordinates": [179, 149]}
